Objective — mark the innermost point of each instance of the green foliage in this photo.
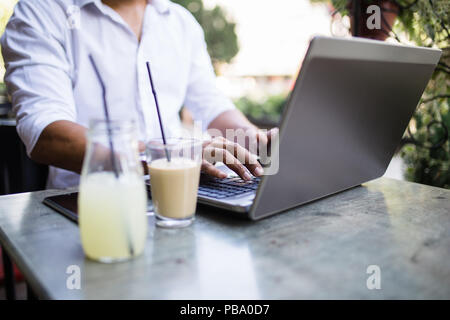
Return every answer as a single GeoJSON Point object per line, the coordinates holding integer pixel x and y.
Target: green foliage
{"type": "Point", "coordinates": [426, 23]}
{"type": "Point", "coordinates": [425, 163]}
{"type": "Point", "coordinates": [268, 111]}
{"type": "Point", "coordinates": [6, 7]}
{"type": "Point", "coordinates": [339, 5]}
{"type": "Point", "coordinates": [220, 34]}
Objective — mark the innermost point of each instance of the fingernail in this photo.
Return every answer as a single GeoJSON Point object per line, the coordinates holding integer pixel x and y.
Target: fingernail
{"type": "Point", "coordinates": [259, 171]}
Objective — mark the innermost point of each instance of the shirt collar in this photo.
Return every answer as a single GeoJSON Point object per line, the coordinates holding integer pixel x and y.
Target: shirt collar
{"type": "Point", "coordinates": [162, 6]}
{"type": "Point", "coordinates": [82, 3]}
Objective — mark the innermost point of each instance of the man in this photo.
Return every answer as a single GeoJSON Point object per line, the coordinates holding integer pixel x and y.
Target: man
{"type": "Point", "coordinates": [55, 92]}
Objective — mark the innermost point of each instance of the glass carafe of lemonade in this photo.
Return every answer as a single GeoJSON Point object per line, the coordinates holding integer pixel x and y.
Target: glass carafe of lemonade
{"type": "Point", "coordinates": [112, 199]}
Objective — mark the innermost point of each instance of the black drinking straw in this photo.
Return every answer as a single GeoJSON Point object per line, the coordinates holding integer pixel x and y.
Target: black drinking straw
{"type": "Point", "coordinates": [157, 110]}
{"type": "Point", "coordinates": [108, 121]}
{"type": "Point", "coordinates": [111, 145]}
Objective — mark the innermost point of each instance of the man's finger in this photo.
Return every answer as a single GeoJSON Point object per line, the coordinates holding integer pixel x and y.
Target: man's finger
{"type": "Point", "coordinates": [213, 154]}
{"type": "Point", "coordinates": [272, 133]}
{"type": "Point", "coordinates": [248, 159]}
{"type": "Point", "coordinates": [141, 146]}
{"type": "Point", "coordinates": [241, 154]}
{"type": "Point", "coordinates": [211, 170]}
{"type": "Point", "coordinates": [262, 137]}
{"type": "Point", "coordinates": [233, 163]}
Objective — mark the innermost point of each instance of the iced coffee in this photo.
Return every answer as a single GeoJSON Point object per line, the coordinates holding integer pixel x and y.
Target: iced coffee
{"type": "Point", "coordinates": [174, 177]}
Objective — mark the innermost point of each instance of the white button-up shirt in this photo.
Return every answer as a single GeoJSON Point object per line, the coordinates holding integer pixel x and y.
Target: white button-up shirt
{"type": "Point", "coordinates": [49, 76]}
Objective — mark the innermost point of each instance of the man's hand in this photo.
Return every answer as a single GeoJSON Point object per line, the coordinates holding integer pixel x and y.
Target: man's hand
{"type": "Point", "coordinates": [236, 157]}
{"type": "Point", "coordinates": [255, 139]}
{"type": "Point", "coordinates": [259, 139]}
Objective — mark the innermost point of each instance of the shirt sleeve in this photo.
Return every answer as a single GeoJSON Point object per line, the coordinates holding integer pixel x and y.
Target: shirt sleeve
{"type": "Point", "coordinates": [37, 71]}
{"type": "Point", "coordinates": [203, 98]}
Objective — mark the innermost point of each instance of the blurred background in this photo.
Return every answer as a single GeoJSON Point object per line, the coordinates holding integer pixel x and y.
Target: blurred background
{"type": "Point", "coordinates": [257, 47]}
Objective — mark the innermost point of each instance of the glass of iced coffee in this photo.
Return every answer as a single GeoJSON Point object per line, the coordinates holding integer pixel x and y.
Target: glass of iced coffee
{"type": "Point", "coordinates": [174, 170]}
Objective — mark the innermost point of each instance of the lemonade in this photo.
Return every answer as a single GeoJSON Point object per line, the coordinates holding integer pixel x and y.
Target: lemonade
{"type": "Point", "coordinates": [112, 216]}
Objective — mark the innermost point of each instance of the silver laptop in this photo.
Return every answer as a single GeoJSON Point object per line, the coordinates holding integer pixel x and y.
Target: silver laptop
{"type": "Point", "coordinates": [351, 104]}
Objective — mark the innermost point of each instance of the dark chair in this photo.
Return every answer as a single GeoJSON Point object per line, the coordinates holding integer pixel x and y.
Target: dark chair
{"type": "Point", "coordinates": [18, 173]}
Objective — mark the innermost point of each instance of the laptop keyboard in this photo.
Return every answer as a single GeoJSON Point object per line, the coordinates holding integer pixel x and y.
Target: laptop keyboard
{"type": "Point", "coordinates": [225, 188]}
